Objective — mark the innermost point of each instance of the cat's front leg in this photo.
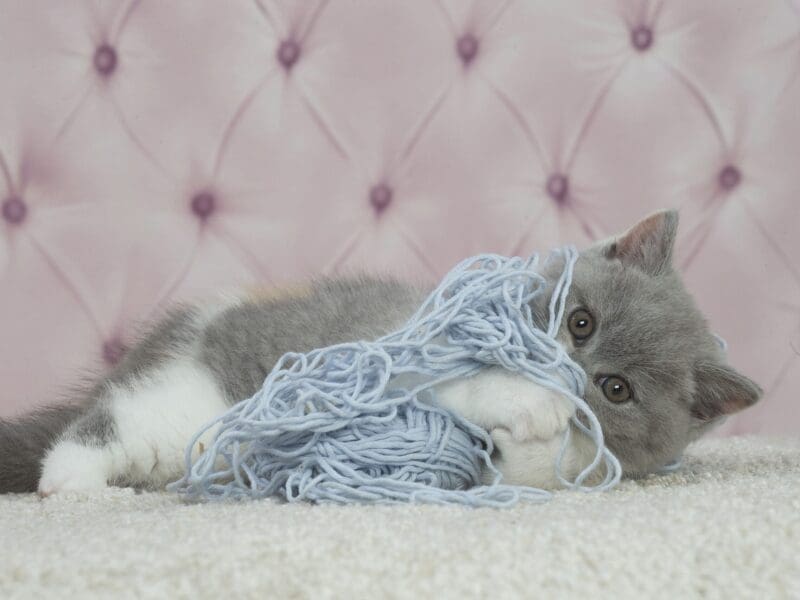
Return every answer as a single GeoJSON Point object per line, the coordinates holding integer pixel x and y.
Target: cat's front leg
{"type": "Point", "coordinates": [497, 398]}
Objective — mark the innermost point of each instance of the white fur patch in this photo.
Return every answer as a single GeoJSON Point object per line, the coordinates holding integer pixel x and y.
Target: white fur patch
{"type": "Point", "coordinates": [157, 417]}
{"type": "Point", "coordinates": [74, 467]}
{"type": "Point", "coordinates": [496, 397]}
{"type": "Point", "coordinates": [533, 462]}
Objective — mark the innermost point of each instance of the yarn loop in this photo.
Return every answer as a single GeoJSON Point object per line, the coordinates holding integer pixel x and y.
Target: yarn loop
{"type": "Point", "coordinates": [356, 422]}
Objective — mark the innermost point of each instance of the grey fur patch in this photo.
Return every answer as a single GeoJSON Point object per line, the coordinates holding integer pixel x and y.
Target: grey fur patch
{"type": "Point", "coordinates": [96, 427]}
{"type": "Point", "coordinates": [244, 342]}
{"type": "Point", "coordinates": [23, 443]}
{"type": "Point", "coordinates": [171, 336]}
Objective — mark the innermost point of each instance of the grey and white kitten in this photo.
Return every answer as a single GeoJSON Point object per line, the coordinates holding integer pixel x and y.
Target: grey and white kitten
{"type": "Point", "coordinates": [657, 378]}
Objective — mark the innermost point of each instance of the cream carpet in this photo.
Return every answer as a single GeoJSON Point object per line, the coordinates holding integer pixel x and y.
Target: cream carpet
{"type": "Point", "coordinates": [726, 526]}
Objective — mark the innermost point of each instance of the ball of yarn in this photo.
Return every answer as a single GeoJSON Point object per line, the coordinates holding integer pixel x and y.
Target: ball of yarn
{"type": "Point", "coordinates": [355, 422]}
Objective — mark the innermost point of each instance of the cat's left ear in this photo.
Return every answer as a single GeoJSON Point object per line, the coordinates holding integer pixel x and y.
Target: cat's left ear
{"type": "Point", "coordinates": [721, 390]}
{"type": "Point", "coordinates": [647, 245]}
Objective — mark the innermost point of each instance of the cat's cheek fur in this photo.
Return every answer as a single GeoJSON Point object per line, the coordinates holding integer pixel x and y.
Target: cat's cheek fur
{"type": "Point", "coordinates": [154, 418]}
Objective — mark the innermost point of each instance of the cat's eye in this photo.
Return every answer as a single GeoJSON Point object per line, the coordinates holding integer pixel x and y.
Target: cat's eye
{"type": "Point", "coordinates": [581, 324]}
{"type": "Point", "coordinates": [616, 389]}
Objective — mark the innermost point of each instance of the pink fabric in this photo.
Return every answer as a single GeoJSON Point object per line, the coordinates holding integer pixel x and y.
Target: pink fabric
{"type": "Point", "coordinates": [158, 151]}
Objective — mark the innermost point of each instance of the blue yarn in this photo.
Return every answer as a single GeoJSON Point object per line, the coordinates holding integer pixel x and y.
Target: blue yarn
{"type": "Point", "coordinates": [353, 423]}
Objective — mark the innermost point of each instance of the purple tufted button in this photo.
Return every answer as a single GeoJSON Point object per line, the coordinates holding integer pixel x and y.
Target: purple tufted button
{"type": "Point", "coordinates": [203, 204]}
{"type": "Point", "coordinates": [729, 177]}
{"type": "Point", "coordinates": [105, 59]}
{"type": "Point", "coordinates": [467, 47]}
{"type": "Point", "coordinates": [557, 187]}
{"type": "Point", "coordinates": [113, 351]}
{"type": "Point", "coordinates": [642, 38]}
{"type": "Point", "coordinates": [14, 210]}
{"type": "Point", "coordinates": [288, 53]}
{"type": "Point", "coordinates": [380, 196]}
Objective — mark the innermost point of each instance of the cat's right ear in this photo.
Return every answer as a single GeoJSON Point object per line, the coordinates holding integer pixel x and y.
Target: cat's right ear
{"type": "Point", "coordinates": [721, 390]}
{"type": "Point", "coordinates": [647, 245]}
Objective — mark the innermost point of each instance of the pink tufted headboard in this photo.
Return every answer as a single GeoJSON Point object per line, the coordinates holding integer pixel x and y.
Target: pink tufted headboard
{"type": "Point", "coordinates": [156, 151]}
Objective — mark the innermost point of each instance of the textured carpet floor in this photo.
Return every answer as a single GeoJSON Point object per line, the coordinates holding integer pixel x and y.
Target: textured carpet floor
{"type": "Point", "coordinates": [726, 526]}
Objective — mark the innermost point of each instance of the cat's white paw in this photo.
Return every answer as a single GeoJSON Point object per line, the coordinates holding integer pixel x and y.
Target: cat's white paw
{"type": "Point", "coordinates": [72, 467]}
{"type": "Point", "coordinates": [531, 412]}
{"type": "Point", "coordinates": [531, 462]}
{"type": "Point", "coordinates": [498, 398]}
{"type": "Point", "coordinates": [555, 414]}
{"type": "Point", "coordinates": [536, 462]}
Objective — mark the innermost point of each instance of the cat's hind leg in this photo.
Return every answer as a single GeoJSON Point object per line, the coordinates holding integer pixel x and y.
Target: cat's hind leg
{"type": "Point", "coordinates": [135, 434]}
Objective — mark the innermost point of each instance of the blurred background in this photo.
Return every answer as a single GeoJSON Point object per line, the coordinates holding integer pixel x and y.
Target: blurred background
{"type": "Point", "coordinates": [153, 152]}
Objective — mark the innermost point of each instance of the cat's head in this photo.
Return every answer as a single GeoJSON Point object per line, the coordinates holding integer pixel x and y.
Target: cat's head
{"type": "Point", "coordinates": [657, 377]}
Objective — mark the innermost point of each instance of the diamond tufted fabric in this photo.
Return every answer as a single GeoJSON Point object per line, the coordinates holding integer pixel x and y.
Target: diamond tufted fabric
{"type": "Point", "coordinates": [157, 151]}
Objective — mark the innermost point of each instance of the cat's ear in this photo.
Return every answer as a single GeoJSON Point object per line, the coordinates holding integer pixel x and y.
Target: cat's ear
{"type": "Point", "coordinates": [721, 390]}
{"type": "Point", "coordinates": [647, 245]}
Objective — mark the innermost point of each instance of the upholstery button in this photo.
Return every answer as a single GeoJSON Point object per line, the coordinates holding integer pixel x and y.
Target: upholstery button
{"type": "Point", "coordinates": [288, 53]}
{"type": "Point", "coordinates": [467, 47]}
{"type": "Point", "coordinates": [557, 187]}
{"type": "Point", "coordinates": [380, 196]}
{"type": "Point", "coordinates": [14, 210]}
{"type": "Point", "coordinates": [113, 351]}
{"type": "Point", "coordinates": [203, 204]}
{"type": "Point", "coordinates": [729, 177]}
{"type": "Point", "coordinates": [642, 38]}
{"type": "Point", "coordinates": [105, 59]}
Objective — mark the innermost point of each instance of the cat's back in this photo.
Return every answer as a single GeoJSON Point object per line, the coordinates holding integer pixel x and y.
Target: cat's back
{"type": "Point", "coordinates": [245, 338]}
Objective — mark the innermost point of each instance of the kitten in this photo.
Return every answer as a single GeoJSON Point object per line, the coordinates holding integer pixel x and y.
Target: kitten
{"type": "Point", "coordinates": [657, 378]}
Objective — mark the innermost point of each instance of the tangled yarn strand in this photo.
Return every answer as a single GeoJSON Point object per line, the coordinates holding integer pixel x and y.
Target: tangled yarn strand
{"type": "Point", "coordinates": [355, 422]}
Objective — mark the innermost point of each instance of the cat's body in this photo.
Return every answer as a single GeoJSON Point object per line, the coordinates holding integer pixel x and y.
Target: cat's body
{"type": "Point", "coordinates": [132, 426]}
